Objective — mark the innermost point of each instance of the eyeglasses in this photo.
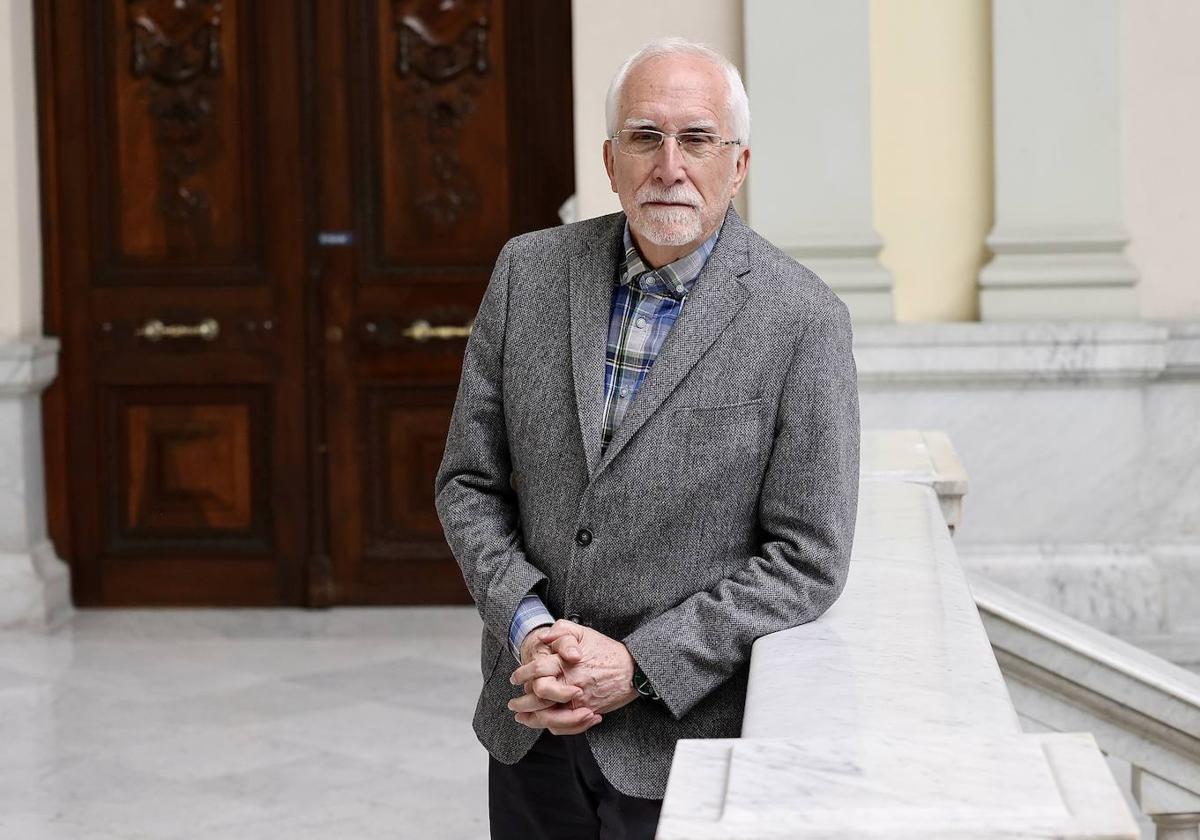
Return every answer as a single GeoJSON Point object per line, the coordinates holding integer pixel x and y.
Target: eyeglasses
{"type": "Point", "coordinates": [646, 141]}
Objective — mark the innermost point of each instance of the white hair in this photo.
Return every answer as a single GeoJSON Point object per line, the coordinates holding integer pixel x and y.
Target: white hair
{"type": "Point", "coordinates": [738, 102]}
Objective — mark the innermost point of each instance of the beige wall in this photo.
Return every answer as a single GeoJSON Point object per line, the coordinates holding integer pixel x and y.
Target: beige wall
{"type": "Point", "coordinates": [604, 35]}
{"type": "Point", "coordinates": [1160, 154]}
{"type": "Point", "coordinates": [20, 225]}
{"type": "Point", "coordinates": [931, 142]}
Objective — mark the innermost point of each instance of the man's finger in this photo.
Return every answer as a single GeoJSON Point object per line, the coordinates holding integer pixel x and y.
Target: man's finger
{"type": "Point", "coordinates": [539, 666]}
{"type": "Point", "coordinates": [553, 688]}
{"type": "Point", "coordinates": [562, 628]}
{"type": "Point", "coordinates": [533, 641]}
{"type": "Point", "coordinates": [560, 717]}
{"type": "Point", "coordinates": [529, 703]}
{"type": "Point", "coordinates": [567, 647]}
{"type": "Point", "coordinates": [583, 727]}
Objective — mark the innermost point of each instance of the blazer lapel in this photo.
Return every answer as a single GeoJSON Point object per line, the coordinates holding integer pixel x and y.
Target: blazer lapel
{"type": "Point", "coordinates": [715, 300]}
{"type": "Point", "coordinates": [592, 275]}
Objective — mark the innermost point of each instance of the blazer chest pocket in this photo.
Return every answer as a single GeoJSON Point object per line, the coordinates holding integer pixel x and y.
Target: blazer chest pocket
{"type": "Point", "coordinates": [724, 409]}
{"type": "Point", "coordinates": [712, 431]}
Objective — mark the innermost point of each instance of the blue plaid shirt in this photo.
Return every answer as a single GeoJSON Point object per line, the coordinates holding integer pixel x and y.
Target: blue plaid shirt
{"type": "Point", "coordinates": [645, 304]}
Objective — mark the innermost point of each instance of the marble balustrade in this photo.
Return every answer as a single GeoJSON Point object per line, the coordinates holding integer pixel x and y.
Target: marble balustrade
{"type": "Point", "coordinates": [1064, 675]}
{"type": "Point", "coordinates": [889, 716]}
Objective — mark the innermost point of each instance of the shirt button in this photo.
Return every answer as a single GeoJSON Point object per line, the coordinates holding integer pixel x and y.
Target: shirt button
{"type": "Point", "coordinates": [625, 391]}
{"type": "Point", "coordinates": [584, 536]}
{"type": "Point", "coordinates": [640, 323]}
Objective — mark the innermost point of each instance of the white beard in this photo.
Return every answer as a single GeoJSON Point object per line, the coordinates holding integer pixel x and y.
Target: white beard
{"type": "Point", "coordinates": [668, 226]}
{"type": "Point", "coordinates": [674, 227]}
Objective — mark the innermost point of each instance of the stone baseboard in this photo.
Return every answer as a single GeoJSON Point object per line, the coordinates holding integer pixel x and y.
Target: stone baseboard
{"type": "Point", "coordinates": [35, 589]}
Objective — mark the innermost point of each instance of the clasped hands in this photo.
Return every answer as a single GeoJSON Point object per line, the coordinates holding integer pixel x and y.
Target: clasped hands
{"type": "Point", "coordinates": [572, 676]}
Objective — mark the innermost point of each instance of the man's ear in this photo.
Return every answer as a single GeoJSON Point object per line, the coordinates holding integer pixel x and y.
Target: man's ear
{"type": "Point", "coordinates": [741, 167]}
{"type": "Point", "coordinates": [608, 165]}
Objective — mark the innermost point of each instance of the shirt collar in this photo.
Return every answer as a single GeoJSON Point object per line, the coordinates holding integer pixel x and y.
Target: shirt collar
{"type": "Point", "coordinates": [674, 280]}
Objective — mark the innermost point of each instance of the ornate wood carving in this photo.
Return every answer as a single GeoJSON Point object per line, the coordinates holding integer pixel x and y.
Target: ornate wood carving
{"type": "Point", "coordinates": [441, 53]}
{"type": "Point", "coordinates": [176, 48]}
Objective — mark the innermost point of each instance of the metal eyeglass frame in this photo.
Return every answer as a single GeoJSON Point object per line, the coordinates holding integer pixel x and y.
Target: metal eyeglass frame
{"type": "Point", "coordinates": [663, 135]}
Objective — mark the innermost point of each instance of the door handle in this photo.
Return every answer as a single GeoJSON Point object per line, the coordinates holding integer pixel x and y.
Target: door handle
{"type": "Point", "coordinates": [156, 330]}
{"type": "Point", "coordinates": [422, 330]}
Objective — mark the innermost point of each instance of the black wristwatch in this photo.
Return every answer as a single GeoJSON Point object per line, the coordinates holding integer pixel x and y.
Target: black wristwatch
{"type": "Point", "coordinates": [641, 684]}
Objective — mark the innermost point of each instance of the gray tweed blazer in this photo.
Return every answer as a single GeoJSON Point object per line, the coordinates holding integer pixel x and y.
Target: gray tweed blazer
{"type": "Point", "coordinates": [722, 510]}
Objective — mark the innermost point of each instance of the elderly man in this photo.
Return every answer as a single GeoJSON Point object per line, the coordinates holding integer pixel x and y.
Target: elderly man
{"type": "Point", "coordinates": [655, 441]}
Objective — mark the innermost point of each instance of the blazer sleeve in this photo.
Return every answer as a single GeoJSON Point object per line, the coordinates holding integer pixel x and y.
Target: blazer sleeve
{"type": "Point", "coordinates": [472, 494]}
{"type": "Point", "coordinates": [806, 510]}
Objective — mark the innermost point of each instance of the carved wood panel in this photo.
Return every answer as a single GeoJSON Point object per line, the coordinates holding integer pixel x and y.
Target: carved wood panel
{"type": "Point", "coordinates": [441, 110]}
{"type": "Point", "coordinates": [186, 468]}
{"type": "Point", "coordinates": [407, 436]}
{"type": "Point", "coordinates": [189, 468]}
{"type": "Point", "coordinates": [179, 133]}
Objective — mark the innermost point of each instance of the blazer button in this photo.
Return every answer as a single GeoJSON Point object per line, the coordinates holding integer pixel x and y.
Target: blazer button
{"type": "Point", "coordinates": [573, 617]}
{"type": "Point", "coordinates": [584, 536]}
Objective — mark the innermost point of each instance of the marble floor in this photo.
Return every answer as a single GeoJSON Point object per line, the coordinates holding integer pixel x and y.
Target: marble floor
{"type": "Point", "coordinates": [346, 723]}
{"type": "Point", "coordinates": [243, 724]}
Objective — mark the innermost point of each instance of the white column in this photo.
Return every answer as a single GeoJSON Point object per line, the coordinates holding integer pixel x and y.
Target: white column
{"type": "Point", "coordinates": [34, 582]}
{"type": "Point", "coordinates": [1059, 236]}
{"type": "Point", "coordinates": [1175, 811]}
{"type": "Point", "coordinates": [809, 188]}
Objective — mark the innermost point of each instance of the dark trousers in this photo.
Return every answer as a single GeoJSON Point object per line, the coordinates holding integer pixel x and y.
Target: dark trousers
{"type": "Point", "coordinates": [557, 792]}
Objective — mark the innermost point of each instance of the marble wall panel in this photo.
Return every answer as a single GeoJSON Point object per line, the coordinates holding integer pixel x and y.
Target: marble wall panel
{"type": "Point", "coordinates": [1082, 447]}
{"type": "Point", "coordinates": [1046, 463]}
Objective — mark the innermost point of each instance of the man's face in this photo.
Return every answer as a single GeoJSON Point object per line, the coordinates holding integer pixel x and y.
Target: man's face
{"type": "Point", "coordinates": [673, 200]}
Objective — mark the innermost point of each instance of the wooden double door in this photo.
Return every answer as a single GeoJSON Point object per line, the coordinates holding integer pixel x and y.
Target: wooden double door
{"type": "Point", "coordinates": [267, 226]}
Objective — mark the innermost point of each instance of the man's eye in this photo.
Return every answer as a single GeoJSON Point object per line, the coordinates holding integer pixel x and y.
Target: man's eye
{"type": "Point", "coordinates": [643, 137]}
{"type": "Point", "coordinates": [696, 139]}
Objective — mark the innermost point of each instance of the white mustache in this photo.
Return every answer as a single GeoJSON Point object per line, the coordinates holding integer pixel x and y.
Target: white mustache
{"type": "Point", "coordinates": [681, 196]}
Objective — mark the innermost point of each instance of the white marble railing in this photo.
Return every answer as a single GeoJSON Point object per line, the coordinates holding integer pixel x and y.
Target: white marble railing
{"type": "Point", "coordinates": [922, 457]}
{"type": "Point", "coordinates": [1064, 675]}
{"type": "Point", "coordinates": [889, 716]}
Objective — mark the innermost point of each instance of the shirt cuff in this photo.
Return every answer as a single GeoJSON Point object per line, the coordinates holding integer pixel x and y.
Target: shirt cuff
{"type": "Point", "coordinates": [531, 613]}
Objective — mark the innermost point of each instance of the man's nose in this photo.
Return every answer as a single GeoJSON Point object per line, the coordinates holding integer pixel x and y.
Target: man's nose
{"type": "Point", "coordinates": [668, 162]}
